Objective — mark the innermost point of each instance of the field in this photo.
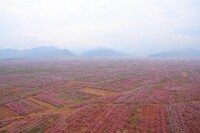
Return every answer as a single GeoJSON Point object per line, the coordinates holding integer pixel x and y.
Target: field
{"type": "Point", "coordinates": [100, 96]}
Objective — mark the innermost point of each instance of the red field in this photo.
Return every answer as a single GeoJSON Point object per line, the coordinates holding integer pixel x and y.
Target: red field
{"type": "Point", "coordinates": [100, 96]}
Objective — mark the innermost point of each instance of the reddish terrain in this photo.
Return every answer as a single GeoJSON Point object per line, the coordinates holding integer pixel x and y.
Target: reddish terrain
{"type": "Point", "coordinates": [100, 96]}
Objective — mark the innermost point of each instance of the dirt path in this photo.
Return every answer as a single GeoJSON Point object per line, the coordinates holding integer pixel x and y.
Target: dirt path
{"type": "Point", "coordinates": [7, 112]}
{"type": "Point", "coordinates": [98, 92]}
{"type": "Point", "coordinates": [41, 103]}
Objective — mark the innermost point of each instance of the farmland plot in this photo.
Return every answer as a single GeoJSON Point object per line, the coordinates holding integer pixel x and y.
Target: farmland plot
{"type": "Point", "coordinates": [100, 96]}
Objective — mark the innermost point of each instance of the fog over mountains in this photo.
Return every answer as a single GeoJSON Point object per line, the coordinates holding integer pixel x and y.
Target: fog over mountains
{"type": "Point", "coordinates": [103, 52]}
{"type": "Point", "coordinates": [39, 52]}
{"type": "Point", "coordinates": [136, 27]}
{"type": "Point", "coordinates": [184, 53]}
{"type": "Point", "coordinates": [54, 52]}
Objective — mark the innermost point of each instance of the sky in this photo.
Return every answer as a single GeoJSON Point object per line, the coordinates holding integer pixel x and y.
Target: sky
{"type": "Point", "coordinates": [132, 26]}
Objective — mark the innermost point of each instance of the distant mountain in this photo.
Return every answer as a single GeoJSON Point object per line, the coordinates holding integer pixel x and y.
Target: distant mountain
{"type": "Point", "coordinates": [39, 52]}
{"type": "Point", "coordinates": [103, 52]}
{"type": "Point", "coordinates": [185, 53]}
{"type": "Point", "coordinates": [10, 53]}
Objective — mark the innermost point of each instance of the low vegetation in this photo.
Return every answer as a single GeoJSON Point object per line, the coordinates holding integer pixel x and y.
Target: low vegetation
{"type": "Point", "coordinates": [98, 96]}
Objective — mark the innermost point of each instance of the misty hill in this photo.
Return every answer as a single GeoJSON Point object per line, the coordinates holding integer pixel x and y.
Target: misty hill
{"type": "Point", "coordinates": [185, 53]}
{"type": "Point", "coordinates": [103, 52]}
{"type": "Point", "coordinates": [40, 52]}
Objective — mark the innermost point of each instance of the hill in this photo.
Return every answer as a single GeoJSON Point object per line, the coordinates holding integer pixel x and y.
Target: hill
{"type": "Point", "coordinates": [39, 52]}
{"type": "Point", "coordinates": [185, 53]}
{"type": "Point", "coordinates": [103, 52]}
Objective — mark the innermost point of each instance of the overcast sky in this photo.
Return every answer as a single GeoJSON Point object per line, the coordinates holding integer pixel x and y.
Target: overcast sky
{"type": "Point", "coordinates": [134, 26]}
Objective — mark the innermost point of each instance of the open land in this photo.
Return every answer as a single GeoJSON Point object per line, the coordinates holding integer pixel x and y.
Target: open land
{"type": "Point", "coordinates": [100, 96]}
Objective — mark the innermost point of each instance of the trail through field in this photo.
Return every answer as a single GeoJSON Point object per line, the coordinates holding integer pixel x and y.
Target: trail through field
{"type": "Point", "coordinates": [41, 103]}
{"type": "Point", "coordinates": [7, 112]}
{"type": "Point", "coordinates": [51, 108]}
{"type": "Point", "coordinates": [98, 92]}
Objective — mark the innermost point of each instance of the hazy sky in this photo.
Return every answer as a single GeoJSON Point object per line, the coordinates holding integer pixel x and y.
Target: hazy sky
{"type": "Point", "coordinates": [137, 26]}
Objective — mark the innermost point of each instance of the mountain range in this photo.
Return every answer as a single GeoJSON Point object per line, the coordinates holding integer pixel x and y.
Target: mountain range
{"type": "Point", "coordinates": [39, 52]}
{"type": "Point", "coordinates": [54, 52]}
{"type": "Point", "coordinates": [103, 52]}
{"type": "Point", "coordinates": [184, 53]}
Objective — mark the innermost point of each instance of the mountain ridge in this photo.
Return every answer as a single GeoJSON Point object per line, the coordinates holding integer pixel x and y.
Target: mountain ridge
{"type": "Point", "coordinates": [38, 52]}
{"type": "Point", "coordinates": [103, 52]}
{"type": "Point", "coordinates": [184, 53]}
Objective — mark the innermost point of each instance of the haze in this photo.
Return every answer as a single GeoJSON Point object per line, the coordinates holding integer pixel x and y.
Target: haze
{"type": "Point", "coordinates": [133, 26]}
